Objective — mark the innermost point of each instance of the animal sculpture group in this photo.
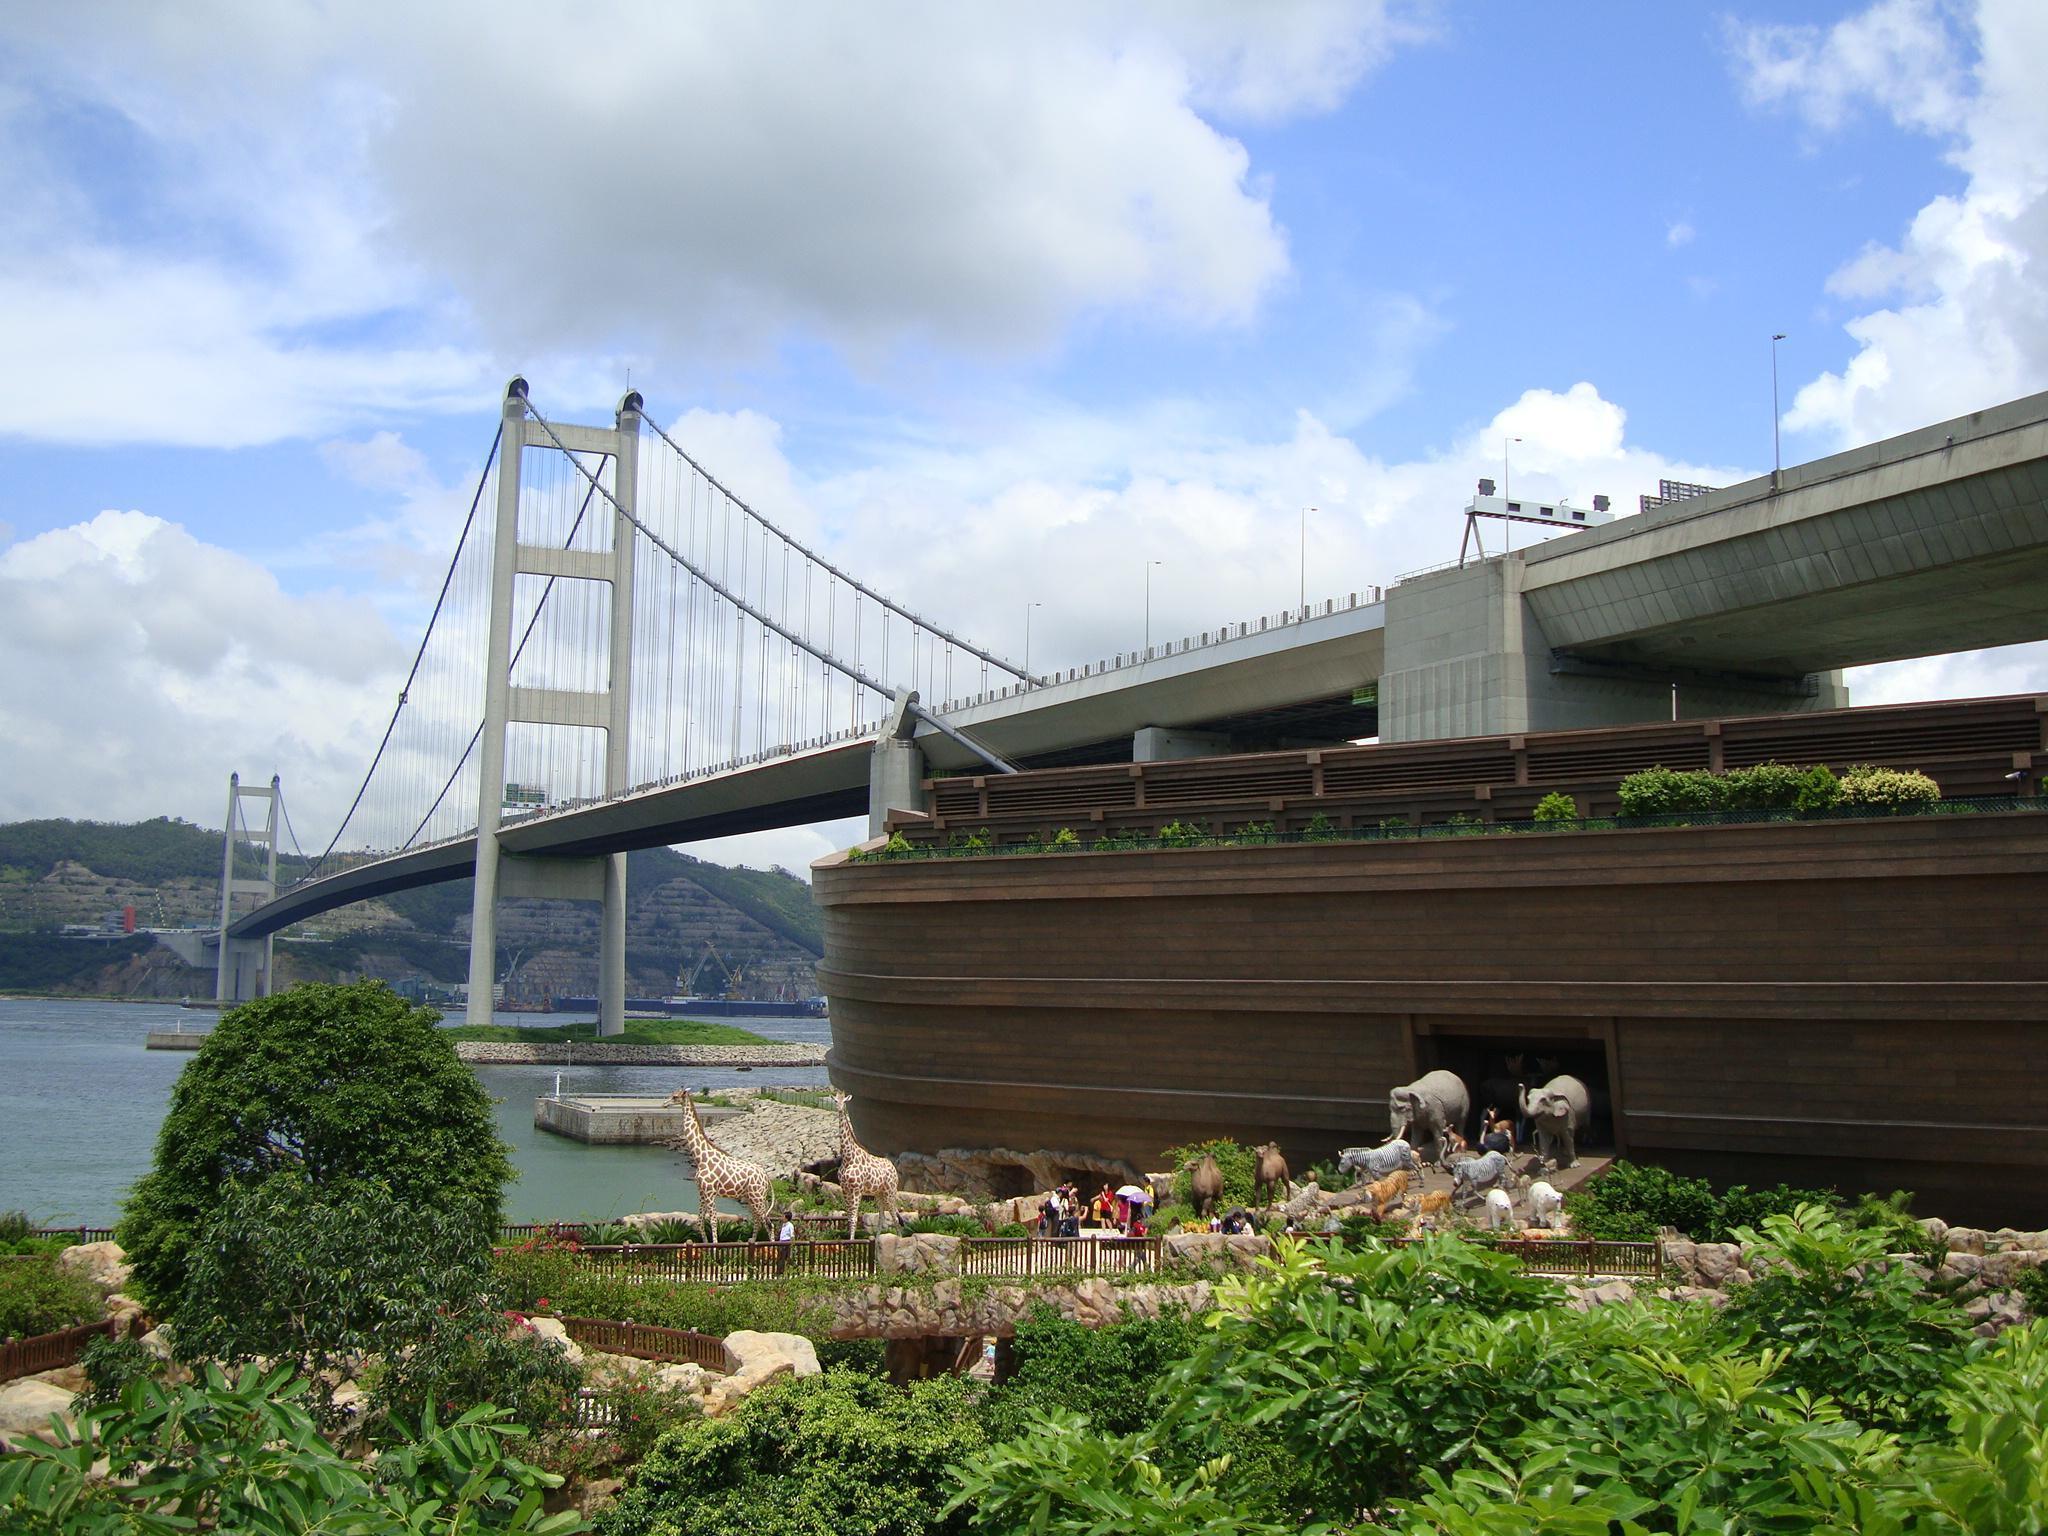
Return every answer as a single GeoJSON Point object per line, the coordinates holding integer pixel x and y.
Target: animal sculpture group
{"type": "Point", "coordinates": [720, 1175]}
{"type": "Point", "coordinates": [1425, 1123]}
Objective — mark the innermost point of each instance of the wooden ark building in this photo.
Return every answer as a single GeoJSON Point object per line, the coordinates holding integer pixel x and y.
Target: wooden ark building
{"type": "Point", "coordinates": [1857, 1003]}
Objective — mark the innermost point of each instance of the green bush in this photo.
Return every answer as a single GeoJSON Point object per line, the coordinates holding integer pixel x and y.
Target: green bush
{"type": "Point", "coordinates": [243, 1456]}
{"type": "Point", "coordinates": [2032, 1284]}
{"type": "Point", "coordinates": [1851, 1324]}
{"type": "Point", "coordinates": [1108, 1374]}
{"type": "Point", "coordinates": [1893, 791]}
{"type": "Point", "coordinates": [1632, 1202]}
{"type": "Point", "coordinates": [1253, 833]}
{"type": "Point", "coordinates": [1664, 791]}
{"type": "Point", "coordinates": [1320, 829]}
{"type": "Point", "coordinates": [1113, 842]}
{"type": "Point", "coordinates": [1238, 1164]}
{"type": "Point", "coordinates": [643, 1410]}
{"type": "Point", "coordinates": [1766, 787]}
{"type": "Point", "coordinates": [1066, 840]}
{"type": "Point", "coordinates": [291, 1273]}
{"type": "Point", "coordinates": [1818, 790]}
{"type": "Point", "coordinates": [470, 1357]}
{"type": "Point", "coordinates": [1555, 806]}
{"type": "Point", "coordinates": [839, 1452]}
{"type": "Point", "coordinates": [1183, 834]}
{"type": "Point", "coordinates": [37, 1297]}
{"type": "Point", "coordinates": [346, 1086]}
{"type": "Point", "coordinates": [109, 1365]}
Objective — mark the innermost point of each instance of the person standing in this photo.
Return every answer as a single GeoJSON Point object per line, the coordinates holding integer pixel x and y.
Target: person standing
{"type": "Point", "coordinates": [785, 1241]}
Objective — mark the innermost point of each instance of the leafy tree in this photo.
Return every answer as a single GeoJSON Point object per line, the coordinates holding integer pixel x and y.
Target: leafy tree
{"type": "Point", "coordinates": [346, 1086]}
{"type": "Point", "coordinates": [1556, 806]}
{"type": "Point", "coordinates": [837, 1452]}
{"type": "Point", "coordinates": [242, 1455]}
{"type": "Point", "coordinates": [316, 1278]}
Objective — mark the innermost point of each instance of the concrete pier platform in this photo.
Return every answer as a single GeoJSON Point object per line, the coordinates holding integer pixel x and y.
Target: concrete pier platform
{"type": "Point", "coordinates": [615, 1119]}
{"type": "Point", "coordinates": [176, 1039]}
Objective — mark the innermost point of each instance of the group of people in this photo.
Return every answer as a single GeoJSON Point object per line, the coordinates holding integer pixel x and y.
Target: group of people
{"type": "Point", "coordinates": [1065, 1213]}
{"type": "Point", "coordinates": [1497, 1133]}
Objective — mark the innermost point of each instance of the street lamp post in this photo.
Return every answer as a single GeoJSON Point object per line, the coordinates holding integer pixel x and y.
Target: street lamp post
{"type": "Point", "coordinates": [1776, 461]}
{"type": "Point", "coordinates": [1148, 605]}
{"type": "Point", "coordinates": [1303, 600]}
{"type": "Point", "coordinates": [1027, 640]}
{"type": "Point", "coordinates": [1507, 529]}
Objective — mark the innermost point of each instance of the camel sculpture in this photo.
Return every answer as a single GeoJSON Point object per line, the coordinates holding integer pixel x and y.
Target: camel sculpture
{"type": "Point", "coordinates": [862, 1173]}
{"type": "Point", "coordinates": [1272, 1174]}
{"type": "Point", "coordinates": [720, 1175]}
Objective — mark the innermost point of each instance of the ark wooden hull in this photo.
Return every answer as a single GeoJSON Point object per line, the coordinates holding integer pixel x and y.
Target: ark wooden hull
{"type": "Point", "coordinates": [1861, 1004]}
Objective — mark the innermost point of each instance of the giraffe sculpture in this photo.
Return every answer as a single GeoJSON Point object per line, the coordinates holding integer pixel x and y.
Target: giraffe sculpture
{"type": "Point", "coordinates": [862, 1173]}
{"type": "Point", "coordinates": [721, 1175]}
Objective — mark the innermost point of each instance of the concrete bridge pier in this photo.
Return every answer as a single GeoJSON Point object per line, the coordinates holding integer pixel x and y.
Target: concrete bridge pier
{"type": "Point", "coordinates": [1466, 656]}
{"type": "Point", "coordinates": [897, 770]}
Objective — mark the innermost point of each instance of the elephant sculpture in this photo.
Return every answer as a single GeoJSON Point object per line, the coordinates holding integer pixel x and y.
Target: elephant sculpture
{"type": "Point", "coordinates": [1428, 1108]}
{"type": "Point", "coordinates": [1558, 1112]}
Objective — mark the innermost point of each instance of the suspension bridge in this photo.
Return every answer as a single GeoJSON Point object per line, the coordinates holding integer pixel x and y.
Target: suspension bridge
{"type": "Point", "coordinates": [624, 654]}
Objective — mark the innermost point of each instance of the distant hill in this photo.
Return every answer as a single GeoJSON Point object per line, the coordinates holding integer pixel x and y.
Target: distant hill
{"type": "Point", "coordinates": [760, 923]}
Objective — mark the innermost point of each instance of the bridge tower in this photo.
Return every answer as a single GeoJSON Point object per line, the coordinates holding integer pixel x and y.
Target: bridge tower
{"type": "Point", "coordinates": [603, 876]}
{"type": "Point", "coordinates": [244, 969]}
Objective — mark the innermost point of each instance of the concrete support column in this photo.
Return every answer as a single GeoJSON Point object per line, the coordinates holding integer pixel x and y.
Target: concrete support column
{"type": "Point", "coordinates": [221, 991]}
{"type": "Point", "coordinates": [483, 912]}
{"type": "Point", "coordinates": [611, 958]}
{"type": "Point", "coordinates": [267, 985]}
{"type": "Point", "coordinates": [1157, 744]}
{"type": "Point", "coordinates": [896, 774]}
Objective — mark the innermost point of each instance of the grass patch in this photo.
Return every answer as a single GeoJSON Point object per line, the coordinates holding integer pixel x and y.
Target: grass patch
{"type": "Point", "coordinates": [639, 1032]}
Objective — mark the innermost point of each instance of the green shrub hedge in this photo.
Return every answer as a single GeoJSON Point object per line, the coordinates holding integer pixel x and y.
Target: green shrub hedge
{"type": "Point", "coordinates": [38, 1297]}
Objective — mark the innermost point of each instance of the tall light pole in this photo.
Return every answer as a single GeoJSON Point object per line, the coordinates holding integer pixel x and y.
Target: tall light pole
{"type": "Point", "coordinates": [1776, 461]}
{"type": "Point", "coordinates": [1027, 640]}
{"type": "Point", "coordinates": [1507, 529]}
{"type": "Point", "coordinates": [1304, 559]}
{"type": "Point", "coordinates": [1148, 603]}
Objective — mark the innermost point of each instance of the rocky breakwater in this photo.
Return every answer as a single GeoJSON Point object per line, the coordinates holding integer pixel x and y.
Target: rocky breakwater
{"type": "Point", "coordinates": [556, 1053]}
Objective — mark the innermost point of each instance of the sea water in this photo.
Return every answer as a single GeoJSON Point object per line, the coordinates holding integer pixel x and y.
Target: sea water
{"type": "Point", "coordinates": [81, 1102]}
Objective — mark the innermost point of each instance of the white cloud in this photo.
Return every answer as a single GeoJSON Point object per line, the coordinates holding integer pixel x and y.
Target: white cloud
{"type": "Point", "coordinates": [1901, 53]}
{"type": "Point", "coordinates": [300, 195]}
{"type": "Point", "coordinates": [144, 666]}
{"type": "Point", "coordinates": [1680, 233]}
{"type": "Point", "coordinates": [1966, 324]}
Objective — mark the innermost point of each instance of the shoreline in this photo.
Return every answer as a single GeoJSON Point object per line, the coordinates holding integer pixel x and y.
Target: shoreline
{"type": "Point", "coordinates": [505, 1053]}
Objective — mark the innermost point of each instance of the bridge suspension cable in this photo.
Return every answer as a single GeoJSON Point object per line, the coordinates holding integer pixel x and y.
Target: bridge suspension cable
{"type": "Point", "coordinates": [848, 669]}
{"type": "Point", "coordinates": [413, 673]}
{"type": "Point", "coordinates": [888, 605]}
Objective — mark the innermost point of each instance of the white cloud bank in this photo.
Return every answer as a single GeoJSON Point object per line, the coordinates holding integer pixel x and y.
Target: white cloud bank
{"type": "Point", "coordinates": [1966, 322]}
{"type": "Point", "coordinates": [237, 222]}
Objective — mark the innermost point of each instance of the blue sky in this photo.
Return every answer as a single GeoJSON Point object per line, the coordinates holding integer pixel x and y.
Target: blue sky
{"type": "Point", "coordinates": [952, 291]}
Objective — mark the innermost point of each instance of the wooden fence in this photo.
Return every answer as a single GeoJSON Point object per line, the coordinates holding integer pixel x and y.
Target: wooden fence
{"type": "Point", "coordinates": [50, 1351]}
{"type": "Point", "coordinates": [1574, 1257]}
{"type": "Point", "coordinates": [644, 1341]}
{"type": "Point", "coordinates": [77, 1234]}
{"type": "Point", "coordinates": [1023, 1258]}
{"type": "Point", "coordinates": [727, 1263]}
